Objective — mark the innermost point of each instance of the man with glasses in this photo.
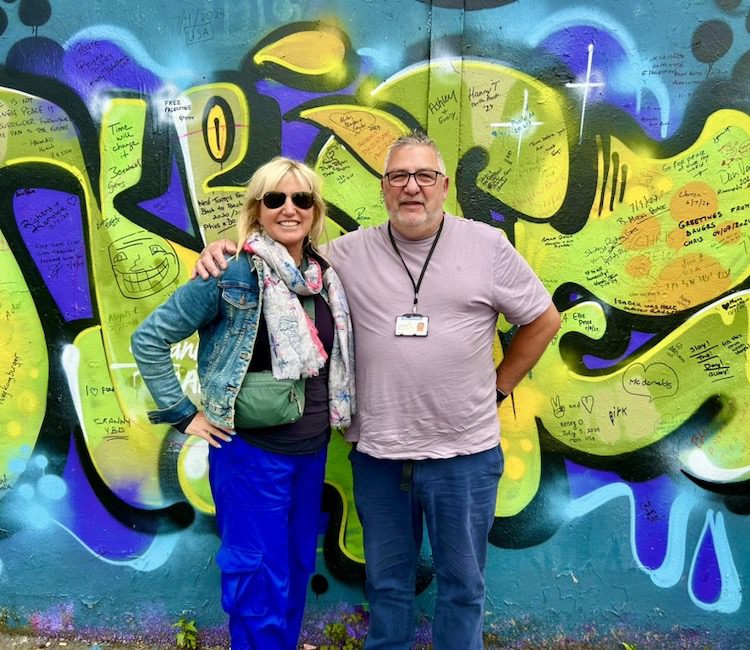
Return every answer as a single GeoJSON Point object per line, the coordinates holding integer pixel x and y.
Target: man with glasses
{"type": "Point", "coordinates": [425, 290]}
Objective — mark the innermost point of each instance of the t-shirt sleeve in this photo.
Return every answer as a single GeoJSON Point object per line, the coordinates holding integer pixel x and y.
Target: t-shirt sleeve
{"type": "Point", "coordinates": [519, 294]}
{"type": "Point", "coordinates": [332, 251]}
{"type": "Point", "coordinates": [340, 251]}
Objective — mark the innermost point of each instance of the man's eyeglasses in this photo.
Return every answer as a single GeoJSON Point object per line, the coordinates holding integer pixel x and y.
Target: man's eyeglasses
{"type": "Point", "coordinates": [303, 200]}
{"type": "Point", "coordinates": [423, 177]}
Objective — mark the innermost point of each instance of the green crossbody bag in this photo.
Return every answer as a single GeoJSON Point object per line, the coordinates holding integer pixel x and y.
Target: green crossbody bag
{"type": "Point", "coordinates": [264, 401]}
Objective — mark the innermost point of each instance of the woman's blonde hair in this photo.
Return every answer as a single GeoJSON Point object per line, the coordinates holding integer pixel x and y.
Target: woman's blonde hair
{"type": "Point", "coordinates": [266, 179]}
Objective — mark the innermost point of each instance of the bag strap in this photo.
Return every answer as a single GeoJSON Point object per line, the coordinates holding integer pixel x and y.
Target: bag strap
{"type": "Point", "coordinates": [308, 302]}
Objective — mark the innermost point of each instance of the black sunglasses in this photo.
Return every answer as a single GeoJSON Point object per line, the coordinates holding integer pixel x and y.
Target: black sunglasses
{"type": "Point", "coordinates": [303, 200]}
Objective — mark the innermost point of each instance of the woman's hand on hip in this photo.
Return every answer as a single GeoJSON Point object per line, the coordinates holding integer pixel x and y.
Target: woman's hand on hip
{"type": "Point", "coordinates": [201, 427]}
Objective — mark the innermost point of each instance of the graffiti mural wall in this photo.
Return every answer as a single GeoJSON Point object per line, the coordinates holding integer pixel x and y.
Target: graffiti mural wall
{"type": "Point", "coordinates": [609, 141]}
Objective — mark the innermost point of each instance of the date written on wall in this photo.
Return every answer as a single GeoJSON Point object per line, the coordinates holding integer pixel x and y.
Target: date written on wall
{"type": "Point", "coordinates": [198, 26]}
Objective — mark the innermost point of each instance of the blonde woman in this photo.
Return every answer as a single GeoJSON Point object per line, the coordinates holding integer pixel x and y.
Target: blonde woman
{"type": "Point", "coordinates": [278, 309]}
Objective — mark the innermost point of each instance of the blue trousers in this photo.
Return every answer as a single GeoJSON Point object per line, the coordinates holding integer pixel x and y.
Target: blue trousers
{"type": "Point", "coordinates": [267, 514]}
{"type": "Point", "coordinates": [455, 498]}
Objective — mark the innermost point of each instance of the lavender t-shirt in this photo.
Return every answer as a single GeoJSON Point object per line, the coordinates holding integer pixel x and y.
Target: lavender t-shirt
{"type": "Point", "coordinates": [433, 396]}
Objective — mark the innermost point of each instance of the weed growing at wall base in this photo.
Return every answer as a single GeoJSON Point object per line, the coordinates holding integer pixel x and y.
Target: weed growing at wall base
{"type": "Point", "coordinates": [187, 634]}
{"type": "Point", "coordinates": [347, 633]}
{"type": "Point", "coordinates": [8, 620]}
{"type": "Point", "coordinates": [345, 628]}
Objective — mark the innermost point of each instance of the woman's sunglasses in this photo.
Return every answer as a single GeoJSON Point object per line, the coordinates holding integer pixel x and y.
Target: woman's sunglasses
{"type": "Point", "coordinates": [303, 200]}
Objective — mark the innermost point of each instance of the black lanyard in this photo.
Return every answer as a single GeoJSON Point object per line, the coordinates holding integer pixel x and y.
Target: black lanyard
{"type": "Point", "coordinates": [424, 267]}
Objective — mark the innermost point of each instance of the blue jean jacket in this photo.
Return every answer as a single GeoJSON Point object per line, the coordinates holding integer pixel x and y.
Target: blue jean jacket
{"type": "Point", "coordinates": [225, 311]}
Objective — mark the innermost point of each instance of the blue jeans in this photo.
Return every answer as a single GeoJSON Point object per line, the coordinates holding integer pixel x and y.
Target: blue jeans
{"type": "Point", "coordinates": [267, 515]}
{"type": "Point", "coordinates": [456, 499]}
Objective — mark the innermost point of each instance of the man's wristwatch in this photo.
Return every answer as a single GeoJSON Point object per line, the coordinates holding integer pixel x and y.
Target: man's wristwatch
{"type": "Point", "coordinates": [500, 395]}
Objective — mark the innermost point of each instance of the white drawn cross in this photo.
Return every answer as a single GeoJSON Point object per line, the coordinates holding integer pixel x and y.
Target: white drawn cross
{"type": "Point", "coordinates": [520, 125]}
{"type": "Point", "coordinates": [586, 85]}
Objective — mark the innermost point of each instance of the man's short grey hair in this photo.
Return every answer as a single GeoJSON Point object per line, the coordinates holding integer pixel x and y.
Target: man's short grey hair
{"type": "Point", "coordinates": [415, 139]}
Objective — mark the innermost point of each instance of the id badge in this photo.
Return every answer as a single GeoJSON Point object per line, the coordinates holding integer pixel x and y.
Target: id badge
{"type": "Point", "coordinates": [412, 325]}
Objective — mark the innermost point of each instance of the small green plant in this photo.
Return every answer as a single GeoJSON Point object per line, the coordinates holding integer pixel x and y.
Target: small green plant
{"type": "Point", "coordinates": [10, 621]}
{"type": "Point", "coordinates": [187, 634]}
{"type": "Point", "coordinates": [628, 646]}
{"type": "Point", "coordinates": [343, 635]}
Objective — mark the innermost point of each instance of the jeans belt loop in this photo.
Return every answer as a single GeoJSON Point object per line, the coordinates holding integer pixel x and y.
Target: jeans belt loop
{"type": "Point", "coordinates": [407, 469]}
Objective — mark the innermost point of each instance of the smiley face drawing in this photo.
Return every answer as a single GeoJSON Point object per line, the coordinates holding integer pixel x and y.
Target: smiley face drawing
{"type": "Point", "coordinates": [143, 263]}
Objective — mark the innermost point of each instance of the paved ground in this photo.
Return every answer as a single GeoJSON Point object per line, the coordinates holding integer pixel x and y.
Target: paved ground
{"type": "Point", "coordinates": [689, 640]}
{"type": "Point", "coordinates": [27, 642]}
{"type": "Point", "coordinates": [30, 642]}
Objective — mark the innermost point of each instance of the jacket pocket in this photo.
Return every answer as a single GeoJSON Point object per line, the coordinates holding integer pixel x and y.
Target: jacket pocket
{"type": "Point", "coordinates": [238, 301]}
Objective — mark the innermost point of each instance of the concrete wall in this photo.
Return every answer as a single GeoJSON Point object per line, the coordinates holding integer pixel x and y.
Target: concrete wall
{"type": "Point", "coordinates": [609, 140]}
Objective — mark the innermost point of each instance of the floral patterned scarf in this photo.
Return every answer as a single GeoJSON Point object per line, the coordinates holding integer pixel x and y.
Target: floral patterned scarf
{"type": "Point", "coordinates": [296, 350]}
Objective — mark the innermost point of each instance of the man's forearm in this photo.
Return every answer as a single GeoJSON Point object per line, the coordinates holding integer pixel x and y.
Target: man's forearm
{"type": "Point", "coordinates": [526, 347]}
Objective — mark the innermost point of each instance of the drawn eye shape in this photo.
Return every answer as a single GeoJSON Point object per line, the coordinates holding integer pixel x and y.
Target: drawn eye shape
{"type": "Point", "coordinates": [120, 257]}
{"type": "Point", "coordinates": [155, 248]}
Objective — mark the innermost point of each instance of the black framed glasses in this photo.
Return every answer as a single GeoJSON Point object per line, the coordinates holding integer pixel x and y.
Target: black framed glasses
{"type": "Point", "coordinates": [303, 200]}
{"type": "Point", "coordinates": [423, 177]}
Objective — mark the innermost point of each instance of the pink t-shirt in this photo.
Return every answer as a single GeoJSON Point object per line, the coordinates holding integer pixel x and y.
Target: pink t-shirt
{"type": "Point", "coordinates": [433, 396]}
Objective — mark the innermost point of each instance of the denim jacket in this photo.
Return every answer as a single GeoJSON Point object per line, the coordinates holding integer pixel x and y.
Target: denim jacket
{"type": "Point", "coordinates": [225, 311]}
